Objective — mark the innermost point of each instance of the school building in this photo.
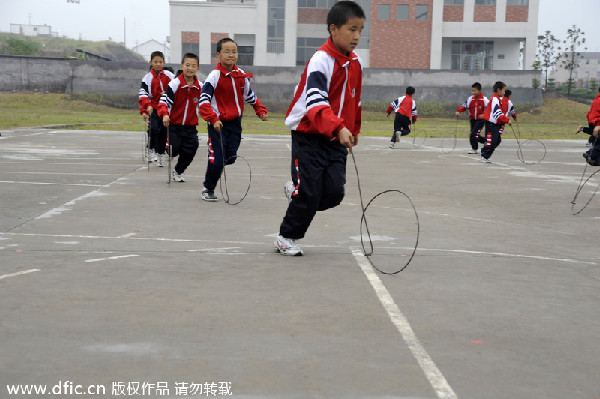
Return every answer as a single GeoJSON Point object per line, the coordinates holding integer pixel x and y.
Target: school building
{"type": "Point", "coordinates": [404, 34]}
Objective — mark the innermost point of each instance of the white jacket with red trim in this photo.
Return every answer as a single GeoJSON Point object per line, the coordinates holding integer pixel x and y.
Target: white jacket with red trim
{"type": "Point", "coordinates": [180, 102]}
{"type": "Point", "coordinates": [475, 105]}
{"type": "Point", "coordinates": [327, 98]}
{"type": "Point", "coordinates": [404, 105]}
{"type": "Point", "coordinates": [496, 111]}
{"type": "Point", "coordinates": [152, 89]}
{"type": "Point", "coordinates": [224, 93]}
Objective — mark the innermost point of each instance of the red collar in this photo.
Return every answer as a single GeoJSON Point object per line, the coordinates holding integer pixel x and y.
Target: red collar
{"type": "Point", "coordinates": [156, 74]}
{"type": "Point", "coordinates": [235, 73]}
{"type": "Point", "coordinates": [330, 49]}
{"type": "Point", "coordinates": [185, 84]}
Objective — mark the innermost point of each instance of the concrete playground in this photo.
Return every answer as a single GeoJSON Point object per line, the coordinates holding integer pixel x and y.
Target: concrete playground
{"type": "Point", "coordinates": [111, 278]}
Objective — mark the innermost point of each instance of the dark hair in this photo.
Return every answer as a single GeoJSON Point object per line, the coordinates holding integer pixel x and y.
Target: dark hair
{"type": "Point", "coordinates": [498, 85]}
{"type": "Point", "coordinates": [224, 40]}
{"type": "Point", "coordinates": [190, 55]}
{"type": "Point", "coordinates": [507, 93]}
{"type": "Point", "coordinates": [410, 90]}
{"type": "Point", "coordinates": [476, 85]}
{"type": "Point", "coordinates": [157, 54]}
{"type": "Point", "coordinates": [168, 68]}
{"type": "Point", "coordinates": [342, 11]}
{"type": "Point", "coordinates": [179, 72]}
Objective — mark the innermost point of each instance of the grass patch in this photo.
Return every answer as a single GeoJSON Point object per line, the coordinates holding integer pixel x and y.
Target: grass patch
{"type": "Point", "coordinates": [556, 119]}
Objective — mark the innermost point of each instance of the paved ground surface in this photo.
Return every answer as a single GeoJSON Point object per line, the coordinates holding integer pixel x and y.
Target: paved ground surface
{"type": "Point", "coordinates": [108, 275]}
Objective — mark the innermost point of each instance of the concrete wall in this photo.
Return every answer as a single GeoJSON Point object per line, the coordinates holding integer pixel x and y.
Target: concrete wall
{"type": "Point", "coordinates": [272, 83]}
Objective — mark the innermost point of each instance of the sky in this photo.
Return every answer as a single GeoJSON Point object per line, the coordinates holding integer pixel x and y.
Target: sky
{"type": "Point", "coordinates": [149, 19]}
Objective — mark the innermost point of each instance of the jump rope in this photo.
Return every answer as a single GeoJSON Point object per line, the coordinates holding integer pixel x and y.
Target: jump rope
{"type": "Point", "coordinates": [520, 145]}
{"type": "Point", "coordinates": [364, 222]}
{"type": "Point", "coordinates": [455, 134]}
{"type": "Point", "coordinates": [582, 182]}
{"type": "Point", "coordinates": [223, 179]}
{"type": "Point", "coordinates": [414, 143]}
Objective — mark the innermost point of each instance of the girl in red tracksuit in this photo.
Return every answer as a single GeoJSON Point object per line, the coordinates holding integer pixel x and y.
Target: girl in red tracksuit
{"type": "Point", "coordinates": [222, 104]}
{"type": "Point", "coordinates": [178, 109]}
{"type": "Point", "coordinates": [325, 118]}
{"type": "Point", "coordinates": [406, 111]}
{"type": "Point", "coordinates": [495, 116]}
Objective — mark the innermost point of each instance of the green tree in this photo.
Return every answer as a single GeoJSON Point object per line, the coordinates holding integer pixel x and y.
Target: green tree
{"type": "Point", "coordinates": [18, 46]}
{"type": "Point", "coordinates": [570, 60]}
{"type": "Point", "coordinates": [548, 53]}
{"type": "Point", "coordinates": [593, 84]}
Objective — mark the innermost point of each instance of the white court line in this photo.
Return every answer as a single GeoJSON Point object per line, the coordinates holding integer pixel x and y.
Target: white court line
{"type": "Point", "coordinates": [110, 258]}
{"type": "Point", "coordinates": [35, 183]}
{"type": "Point", "coordinates": [18, 273]}
{"type": "Point", "coordinates": [434, 375]}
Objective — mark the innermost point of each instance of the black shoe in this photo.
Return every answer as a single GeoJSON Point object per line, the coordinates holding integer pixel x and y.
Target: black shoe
{"type": "Point", "coordinates": [209, 195]}
{"type": "Point", "coordinates": [592, 162]}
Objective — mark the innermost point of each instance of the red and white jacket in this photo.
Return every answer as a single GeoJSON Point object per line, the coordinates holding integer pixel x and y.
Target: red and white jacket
{"type": "Point", "coordinates": [404, 105]}
{"type": "Point", "coordinates": [593, 114]}
{"type": "Point", "coordinates": [153, 87]}
{"type": "Point", "coordinates": [180, 102]}
{"type": "Point", "coordinates": [511, 108]}
{"type": "Point", "coordinates": [496, 111]}
{"type": "Point", "coordinates": [327, 98]}
{"type": "Point", "coordinates": [224, 93]}
{"type": "Point", "coordinates": [475, 105]}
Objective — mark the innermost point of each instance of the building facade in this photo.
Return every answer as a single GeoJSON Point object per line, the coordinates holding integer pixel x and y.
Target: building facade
{"type": "Point", "coordinates": [32, 30]}
{"type": "Point", "coordinates": [585, 76]}
{"type": "Point", "coordinates": [405, 34]}
{"type": "Point", "coordinates": [145, 49]}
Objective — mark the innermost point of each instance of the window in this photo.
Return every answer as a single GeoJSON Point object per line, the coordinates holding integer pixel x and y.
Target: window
{"type": "Point", "coordinates": [517, 2]}
{"type": "Point", "coordinates": [245, 55]}
{"type": "Point", "coordinates": [306, 47]}
{"type": "Point", "coordinates": [276, 26]}
{"type": "Point", "coordinates": [485, 2]}
{"type": "Point", "coordinates": [472, 55]}
{"type": "Point", "coordinates": [421, 14]}
{"type": "Point", "coordinates": [190, 48]}
{"type": "Point", "coordinates": [402, 12]}
{"type": "Point", "coordinates": [383, 12]}
{"type": "Point", "coordinates": [316, 3]}
{"type": "Point", "coordinates": [454, 2]}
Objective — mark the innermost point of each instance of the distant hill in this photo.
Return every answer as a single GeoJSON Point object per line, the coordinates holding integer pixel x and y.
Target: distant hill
{"type": "Point", "coordinates": [11, 44]}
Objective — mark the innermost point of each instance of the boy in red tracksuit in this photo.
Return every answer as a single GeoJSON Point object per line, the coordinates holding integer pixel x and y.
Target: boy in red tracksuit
{"type": "Point", "coordinates": [406, 111]}
{"type": "Point", "coordinates": [178, 108]}
{"type": "Point", "coordinates": [224, 92]}
{"type": "Point", "coordinates": [592, 156]}
{"type": "Point", "coordinates": [153, 86]}
{"type": "Point", "coordinates": [476, 106]}
{"type": "Point", "coordinates": [325, 118]}
{"type": "Point", "coordinates": [495, 116]}
{"type": "Point", "coordinates": [593, 117]}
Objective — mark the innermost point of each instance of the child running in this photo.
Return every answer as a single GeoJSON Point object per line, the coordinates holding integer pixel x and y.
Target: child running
{"type": "Point", "coordinates": [592, 156]}
{"type": "Point", "coordinates": [222, 105]}
{"type": "Point", "coordinates": [593, 117]}
{"type": "Point", "coordinates": [324, 117]}
{"type": "Point", "coordinates": [476, 106]}
{"type": "Point", "coordinates": [495, 116]}
{"type": "Point", "coordinates": [178, 109]}
{"type": "Point", "coordinates": [406, 111]}
{"type": "Point", "coordinates": [153, 86]}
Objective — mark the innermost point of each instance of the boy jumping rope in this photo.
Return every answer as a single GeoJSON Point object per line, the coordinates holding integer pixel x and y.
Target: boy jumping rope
{"type": "Point", "coordinates": [406, 111]}
{"type": "Point", "coordinates": [153, 86]}
{"type": "Point", "coordinates": [592, 156]}
{"type": "Point", "coordinates": [178, 109]}
{"type": "Point", "coordinates": [593, 117]}
{"type": "Point", "coordinates": [476, 106]}
{"type": "Point", "coordinates": [495, 116]}
{"type": "Point", "coordinates": [222, 105]}
{"type": "Point", "coordinates": [325, 117]}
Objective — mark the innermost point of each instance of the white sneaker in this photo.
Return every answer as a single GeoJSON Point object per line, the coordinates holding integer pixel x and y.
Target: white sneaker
{"type": "Point", "coordinates": [178, 177]}
{"type": "Point", "coordinates": [287, 246]}
{"type": "Point", "coordinates": [392, 145]}
{"type": "Point", "coordinates": [288, 190]}
{"type": "Point", "coordinates": [472, 152]}
{"type": "Point", "coordinates": [161, 160]}
{"type": "Point", "coordinates": [484, 160]}
{"type": "Point", "coordinates": [151, 155]}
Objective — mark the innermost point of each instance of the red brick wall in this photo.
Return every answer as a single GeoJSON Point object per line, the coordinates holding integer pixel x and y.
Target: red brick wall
{"type": "Point", "coordinates": [453, 13]}
{"type": "Point", "coordinates": [484, 14]}
{"type": "Point", "coordinates": [190, 37]}
{"type": "Point", "coordinates": [400, 44]}
{"type": "Point", "coordinates": [312, 15]}
{"type": "Point", "coordinates": [517, 13]}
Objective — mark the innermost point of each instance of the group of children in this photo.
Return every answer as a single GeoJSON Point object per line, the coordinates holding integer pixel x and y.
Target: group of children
{"type": "Point", "coordinates": [324, 117]}
{"type": "Point", "coordinates": [174, 104]}
{"type": "Point", "coordinates": [492, 114]}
